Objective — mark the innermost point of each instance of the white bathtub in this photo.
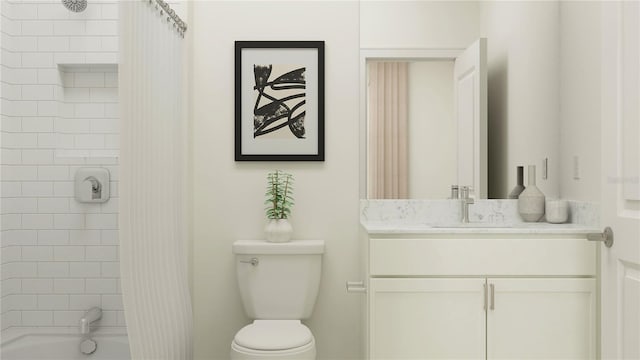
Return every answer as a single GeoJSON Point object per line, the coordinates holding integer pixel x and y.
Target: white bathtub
{"type": "Point", "coordinates": [38, 346]}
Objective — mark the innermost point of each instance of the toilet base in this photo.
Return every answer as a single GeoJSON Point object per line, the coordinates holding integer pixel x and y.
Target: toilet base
{"type": "Point", "coordinates": [306, 352]}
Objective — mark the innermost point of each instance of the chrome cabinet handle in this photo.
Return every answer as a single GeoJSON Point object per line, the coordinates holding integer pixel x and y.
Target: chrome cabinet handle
{"type": "Point", "coordinates": [253, 261]}
{"type": "Point", "coordinates": [493, 297]}
{"type": "Point", "coordinates": [356, 286]}
{"type": "Point", "coordinates": [484, 287]}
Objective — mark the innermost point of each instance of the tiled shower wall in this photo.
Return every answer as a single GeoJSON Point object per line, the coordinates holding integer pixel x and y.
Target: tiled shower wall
{"type": "Point", "coordinates": [59, 113]}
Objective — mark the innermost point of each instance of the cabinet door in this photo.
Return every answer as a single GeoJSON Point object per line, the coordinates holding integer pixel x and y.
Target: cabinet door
{"type": "Point", "coordinates": [541, 319]}
{"type": "Point", "coordinates": [427, 319]}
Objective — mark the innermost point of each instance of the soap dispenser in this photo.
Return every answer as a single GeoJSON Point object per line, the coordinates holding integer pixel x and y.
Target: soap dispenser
{"type": "Point", "coordinates": [92, 185]}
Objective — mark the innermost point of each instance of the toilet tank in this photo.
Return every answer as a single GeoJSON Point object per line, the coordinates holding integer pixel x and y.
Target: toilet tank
{"type": "Point", "coordinates": [283, 283]}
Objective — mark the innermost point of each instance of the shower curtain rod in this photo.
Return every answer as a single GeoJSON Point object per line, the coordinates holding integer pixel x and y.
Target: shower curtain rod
{"type": "Point", "coordinates": [180, 25]}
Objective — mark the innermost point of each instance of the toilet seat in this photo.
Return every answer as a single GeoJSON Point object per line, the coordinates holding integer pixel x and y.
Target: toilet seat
{"type": "Point", "coordinates": [273, 335]}
{"type": "Point", "coordinates": [301, 353]}
{"type": "Point", "coordinates": [274, 339]}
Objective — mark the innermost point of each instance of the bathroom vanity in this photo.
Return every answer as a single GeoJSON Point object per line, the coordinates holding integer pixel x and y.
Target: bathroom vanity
{"type": "Point", "coordinates": [485, 290]}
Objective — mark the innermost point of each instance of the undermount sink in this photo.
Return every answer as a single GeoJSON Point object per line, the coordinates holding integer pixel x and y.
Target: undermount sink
{"type": "Point", "coordinates": [472, 225]}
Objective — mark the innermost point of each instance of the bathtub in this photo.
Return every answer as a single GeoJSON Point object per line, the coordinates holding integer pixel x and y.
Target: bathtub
{"type": "Point", "coordinates": [58, 346]}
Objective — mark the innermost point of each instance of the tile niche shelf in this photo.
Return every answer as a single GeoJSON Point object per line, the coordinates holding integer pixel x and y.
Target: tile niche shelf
{"type": "Point", "coordinates": [86, 122]}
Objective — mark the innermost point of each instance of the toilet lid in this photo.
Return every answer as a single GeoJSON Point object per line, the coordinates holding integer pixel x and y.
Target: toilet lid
{"type": "Point", "coordinates": [273, 335]}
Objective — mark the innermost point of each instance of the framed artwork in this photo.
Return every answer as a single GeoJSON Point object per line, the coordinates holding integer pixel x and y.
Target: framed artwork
{"type": "Point", "coordinates": [279, 101]}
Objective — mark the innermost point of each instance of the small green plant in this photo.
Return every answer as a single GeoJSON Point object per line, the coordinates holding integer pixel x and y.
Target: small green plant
{"type": "Point", "coordinates": [279, 195]}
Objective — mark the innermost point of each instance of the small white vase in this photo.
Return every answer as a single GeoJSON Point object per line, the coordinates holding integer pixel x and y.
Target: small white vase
{"type": "Point", "coordinates": [557, 211]}
{"type": "Point", "coordinates": [531, 200]}
{"type": "Point", "coordinates": [278, 230]}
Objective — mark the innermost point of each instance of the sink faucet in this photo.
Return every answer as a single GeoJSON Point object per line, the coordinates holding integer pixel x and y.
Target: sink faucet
{"type": "Point", "coordinates": [466, 201]}
{"type": "Point", "coordinates": [91, 315]}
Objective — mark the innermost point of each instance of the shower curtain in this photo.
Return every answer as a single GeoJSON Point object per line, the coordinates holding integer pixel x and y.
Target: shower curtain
{"type": "Point", "coordinates": [153, 196]}
{"type": "Point", "coordinates": [387, 114]}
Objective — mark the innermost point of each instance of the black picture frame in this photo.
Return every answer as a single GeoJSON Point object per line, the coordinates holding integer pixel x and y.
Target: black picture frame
{"type": "Point", "coordinates": [305, 133]}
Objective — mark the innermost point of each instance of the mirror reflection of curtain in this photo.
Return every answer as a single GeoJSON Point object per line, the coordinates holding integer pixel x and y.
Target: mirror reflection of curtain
{"type": "Point", "coordinates": [387, 110]}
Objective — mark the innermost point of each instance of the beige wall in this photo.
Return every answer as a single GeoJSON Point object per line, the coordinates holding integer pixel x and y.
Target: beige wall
{"type": "Point", "coordinates": [524, 120]}
{"type": "Point", "coordinates": [432, 130]}
{"type": "Point", "coordinates": [228, 195]}
{"type": "Point", "coordinates": [418, 24]}
{"type": "Point", "coordinates": [544, 97]}
{"type": "Point", "coordinates": [524, 91]}
{"type": "Point", "coordinates": [580, 95]}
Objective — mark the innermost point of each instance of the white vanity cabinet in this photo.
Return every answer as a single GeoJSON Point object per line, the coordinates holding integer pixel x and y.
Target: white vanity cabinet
{"type": "Point", "coordinates": [485, 296]}
{"type": "Point", "coordinates": [426, 319]}
{"type": "Point", "coordinates": [549, 318]}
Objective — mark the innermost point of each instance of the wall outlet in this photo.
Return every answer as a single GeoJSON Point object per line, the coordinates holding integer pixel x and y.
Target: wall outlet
{"type": "Point", "coordinates": [576, 167]}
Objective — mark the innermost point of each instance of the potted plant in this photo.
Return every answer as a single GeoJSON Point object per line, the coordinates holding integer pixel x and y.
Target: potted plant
{"type": "Point", "coordinates": [279, 200]}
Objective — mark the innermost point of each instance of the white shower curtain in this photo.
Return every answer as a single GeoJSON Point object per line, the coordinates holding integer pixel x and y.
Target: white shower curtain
{"type": "Point", "coordinates": [153, 196]}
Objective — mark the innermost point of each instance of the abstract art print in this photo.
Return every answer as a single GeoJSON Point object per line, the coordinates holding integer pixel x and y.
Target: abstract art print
{"type": "Point", "coordinates": [279, 101]}
{"type": "Point", "coordinates": [279, 104]}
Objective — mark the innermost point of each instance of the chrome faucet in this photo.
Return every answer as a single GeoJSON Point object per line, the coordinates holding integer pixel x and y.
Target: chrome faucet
{"type": "Point", "coordinates": [91, 315]}
{"type": "Point", "coordinates": [466, 201]}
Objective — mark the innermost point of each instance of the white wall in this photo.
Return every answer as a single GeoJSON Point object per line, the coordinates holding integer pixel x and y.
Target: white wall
{"type": "Point", "coordinates": [432, 130]}
{"type": "Point", "coordinates": [228, 196]}
{"type": "Point", "coordinates": [523, 40]}
{"type": "Point", "coordinates": [59, 257]}
{"type": "Point", "coordinates": [418, 24]}
{"type": "Point", "coordinates": [580, 95]}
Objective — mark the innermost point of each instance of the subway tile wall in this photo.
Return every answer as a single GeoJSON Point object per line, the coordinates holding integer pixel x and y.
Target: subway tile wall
{"type": "Point", "coordinates": [87, 122]}
{"type": "Point", "coordinates": [59, 112]}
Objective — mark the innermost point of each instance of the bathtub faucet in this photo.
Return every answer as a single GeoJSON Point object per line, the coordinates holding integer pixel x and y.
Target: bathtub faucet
{"type": "Point", "coordinates": [93, 314]}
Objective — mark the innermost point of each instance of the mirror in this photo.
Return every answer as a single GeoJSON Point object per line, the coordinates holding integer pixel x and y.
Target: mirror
{"type": "Point", "coordinates": [424, 122]}
{"type": "Point", "coordinates": [411, 133]}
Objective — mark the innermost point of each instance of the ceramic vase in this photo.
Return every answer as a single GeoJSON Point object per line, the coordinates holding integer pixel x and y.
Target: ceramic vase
{"type": "Point", "coordinates": [531, 200]}
{"type": "Point", "coordinates": [278, 230]}
{"type": "Point", "coordinates": [519, 188]}
{"type": "Point", "coordinates": [557, 211]}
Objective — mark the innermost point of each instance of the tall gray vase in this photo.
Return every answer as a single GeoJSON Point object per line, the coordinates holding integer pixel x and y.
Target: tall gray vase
{"type": "Point", "coordinates": [531, 200]}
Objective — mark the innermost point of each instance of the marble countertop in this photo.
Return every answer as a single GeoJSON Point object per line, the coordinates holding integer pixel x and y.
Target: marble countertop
{"type": "Point", "coordinates": [486, 217]}
{"type": "Point", "coordinates": [386, 227]}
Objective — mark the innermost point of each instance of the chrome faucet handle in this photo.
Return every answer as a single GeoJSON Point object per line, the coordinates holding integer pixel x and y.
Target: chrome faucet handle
{"type": "Point", "coordinates": [96, 187]}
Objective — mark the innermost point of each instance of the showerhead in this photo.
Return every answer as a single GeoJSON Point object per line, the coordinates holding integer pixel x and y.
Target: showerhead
{"type": "Point", "coordinates": [75, 5]}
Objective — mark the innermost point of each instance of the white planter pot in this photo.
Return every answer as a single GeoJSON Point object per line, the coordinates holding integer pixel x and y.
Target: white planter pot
{"type": "Point", "coordinates": [278, 230]}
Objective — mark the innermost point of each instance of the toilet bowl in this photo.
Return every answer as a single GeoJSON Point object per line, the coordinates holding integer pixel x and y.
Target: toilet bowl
{"type": "Point", "coordinates": [274, 339]}
{"type": "Point", "coordinates": [278, 284]}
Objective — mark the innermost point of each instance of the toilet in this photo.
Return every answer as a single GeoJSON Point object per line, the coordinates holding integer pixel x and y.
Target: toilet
{"type": "Point", "coordinates": [278, 285]}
